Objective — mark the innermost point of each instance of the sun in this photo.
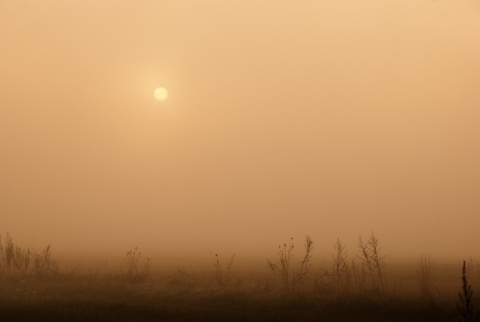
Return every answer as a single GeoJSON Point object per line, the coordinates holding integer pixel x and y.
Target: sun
{"type": "Point", "coordinates": [161, 94]}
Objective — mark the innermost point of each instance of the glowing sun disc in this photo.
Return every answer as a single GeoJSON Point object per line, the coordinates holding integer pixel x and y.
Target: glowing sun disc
{"type": "Point", "coordinates": [160, 94]}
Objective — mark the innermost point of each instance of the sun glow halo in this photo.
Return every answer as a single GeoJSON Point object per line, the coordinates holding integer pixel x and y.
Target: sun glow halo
{"type": "Point", "coordinates": [161, 94]}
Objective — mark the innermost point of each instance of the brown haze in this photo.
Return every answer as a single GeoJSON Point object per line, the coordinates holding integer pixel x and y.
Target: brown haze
{"type": "Point", "coordinates": [330, 118]}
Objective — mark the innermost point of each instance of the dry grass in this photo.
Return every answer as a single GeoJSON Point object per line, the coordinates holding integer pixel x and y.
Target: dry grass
{"type": "Point", "coordinates": [465, 306]}
{"type": "Point", "coordinates": [222, 275]}
{"type": "Point", "coordinates": [425, 270]}
{"type": "Point", "coordinates": [17, 261]}
{"type": "Point", "coordinates": [136, 292]}
{"type": "Point", "coordinates": [293, 278]}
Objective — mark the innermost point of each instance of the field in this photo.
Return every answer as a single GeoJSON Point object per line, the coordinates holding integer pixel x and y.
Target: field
{"type": "Point", "coordinates": [34, 287]}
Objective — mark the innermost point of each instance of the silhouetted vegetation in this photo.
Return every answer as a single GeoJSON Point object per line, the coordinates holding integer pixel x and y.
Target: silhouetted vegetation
{"type": "Point", "coordinates": [33, 287]}
{"type": "Point", "coordinates": [16, 261]}
{"type": "Point", "coordinates": [136, 269]}
{"type": "Point", "coordinates": [465, 307]}
{"type": "Point", "coordinates": [222, 276]}
{"type": "Point", "coordinates": [372, 260]}
{"type": "Point", "coordinates": [296, 277]}
{"type": "Point", "coordinates": [425, 277]}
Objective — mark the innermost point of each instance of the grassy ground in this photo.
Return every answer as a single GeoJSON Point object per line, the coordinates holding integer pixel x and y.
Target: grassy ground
{"type": "Point", "coordinates": [110, 298]}
{"type": "Point", "coordinates": [34, 288]}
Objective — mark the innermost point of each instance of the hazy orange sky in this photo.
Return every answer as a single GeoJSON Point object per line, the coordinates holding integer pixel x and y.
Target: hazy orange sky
{"type": "Point", "coordinates": [331, 118]}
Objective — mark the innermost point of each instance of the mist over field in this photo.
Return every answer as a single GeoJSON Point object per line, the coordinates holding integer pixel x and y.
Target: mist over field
{"type": "Point", "coordinates": [329, 118]}
{"type": "Point", "coordinates": [276, 160]}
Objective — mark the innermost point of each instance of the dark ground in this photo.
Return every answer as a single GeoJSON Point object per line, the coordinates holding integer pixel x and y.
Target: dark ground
{"type": "Point", "coordinates": [123, 301]}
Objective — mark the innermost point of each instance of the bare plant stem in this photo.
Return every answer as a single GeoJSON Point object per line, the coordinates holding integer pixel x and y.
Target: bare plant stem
{"type": "Point", "coordinates": [341, 271]}
{"type": "Point", "coordinates": [372, 260]}
{"type": "Point", "coordinates": [285, 255]}
{"type": "Point", "coordinates": [425, 276]}
{"type": "Point", "coordinates": [221, 276]}
{"type": "Point", "coordinates": [300, 277]}
{"type": "Point", "coordinates": [466, 299]}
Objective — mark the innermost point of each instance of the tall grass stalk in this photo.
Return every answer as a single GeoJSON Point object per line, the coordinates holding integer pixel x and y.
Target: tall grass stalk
{"type": "Point", "coordinates": [19, 261]}
{"type": "Point", "coordinates": [425, 271]}
{"type": "Point", "coordinates": [222, 276]}
{"type": "Point", "coordinates": [292, 279]}
{"type": "Point", "coordinates": [465, 307]}
{"type": "Point", "coordinates": [136, 269]}
{"type": "Point", "coordinates": [372, 260]}
{"type": "Point", "coordinates": [341, 270]}
{"type": "Point", "coordinates": [358, 274]}
{"type": "Point", "coordinates": [285, 255]}
{"type": "Point", "coordinates": [301, 276]}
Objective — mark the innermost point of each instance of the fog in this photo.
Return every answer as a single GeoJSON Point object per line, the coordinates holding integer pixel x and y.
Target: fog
{"type": "Point", "coordinates": [327, 118]}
